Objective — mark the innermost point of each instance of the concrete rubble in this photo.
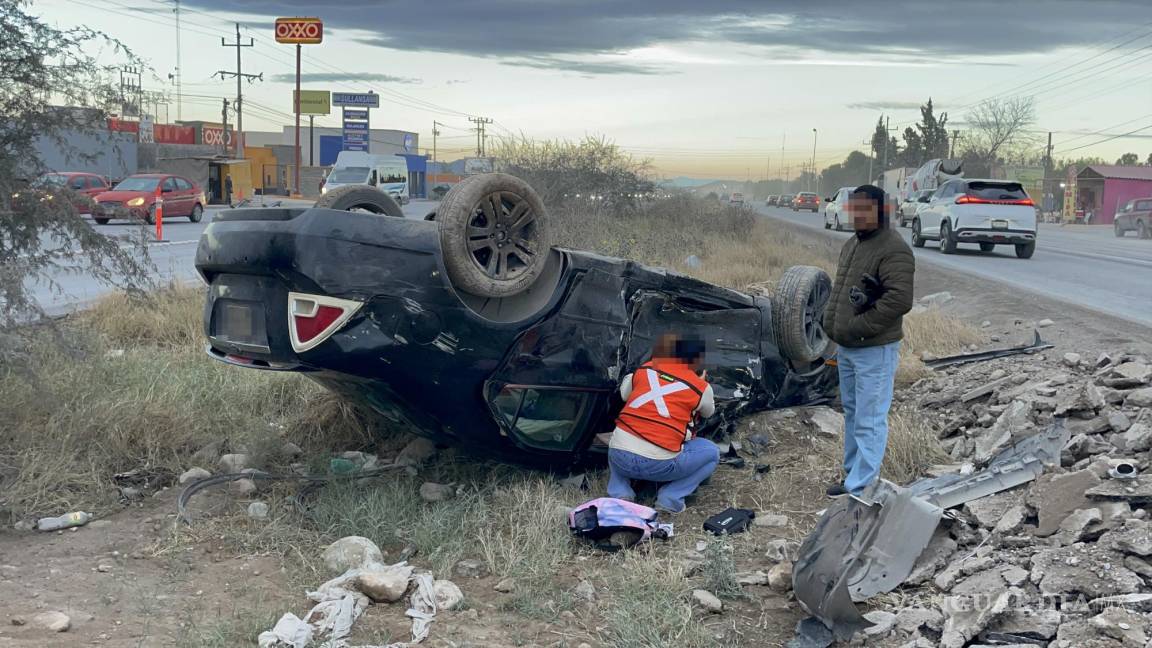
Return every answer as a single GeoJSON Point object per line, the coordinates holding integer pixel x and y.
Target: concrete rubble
{"type": "Point", "coordinates": [1063, 560]}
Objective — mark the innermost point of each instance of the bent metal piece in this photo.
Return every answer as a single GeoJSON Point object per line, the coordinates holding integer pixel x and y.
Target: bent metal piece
{"type": "Point", "coordinates": [863, 548]}
{"type": "Point", "coordinates": [980, 356]}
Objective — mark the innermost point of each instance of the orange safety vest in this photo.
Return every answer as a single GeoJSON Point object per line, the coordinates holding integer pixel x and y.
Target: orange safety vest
{"type": "Point", "coordinates": [663, 401]}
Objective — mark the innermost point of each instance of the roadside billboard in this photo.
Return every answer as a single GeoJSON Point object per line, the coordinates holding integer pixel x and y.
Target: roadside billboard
{"type": "Point", "coordinates": [161, 133]}
{"type": "Point", "coordinates": [214, 136]}
{"type": "Point", "coordinates": [359, 100]}
{"type": "Point", "coordinates": [299, 31]}
{"type": "Point", "coordinates": [314, 102]}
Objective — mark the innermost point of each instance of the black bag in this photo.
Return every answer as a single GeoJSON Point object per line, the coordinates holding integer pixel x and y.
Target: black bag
{"type": "Point", "coordinates": [730, 521]}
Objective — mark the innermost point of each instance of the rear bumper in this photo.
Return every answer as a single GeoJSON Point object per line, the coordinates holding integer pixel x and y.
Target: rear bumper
{"type": "Point", "coordinates": [1014, 237]}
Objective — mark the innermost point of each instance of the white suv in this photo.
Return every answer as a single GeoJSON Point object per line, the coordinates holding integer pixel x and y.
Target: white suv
{"type": "Point", "coordinates": [835, 212]}
{"type": "Point", "coordinates": [988, 212]}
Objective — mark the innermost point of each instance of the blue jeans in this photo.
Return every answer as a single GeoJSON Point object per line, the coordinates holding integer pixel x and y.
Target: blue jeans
{"type": "Point", "coordinates": [867, 376]}
{"type": "Point", "coordinates": [680, 475]}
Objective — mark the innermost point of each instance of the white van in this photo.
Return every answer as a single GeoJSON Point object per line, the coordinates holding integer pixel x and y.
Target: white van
{"type": "Point", "coordinates": [388, 173]}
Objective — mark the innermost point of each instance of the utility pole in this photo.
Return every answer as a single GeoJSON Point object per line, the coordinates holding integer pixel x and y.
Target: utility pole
{"type": "Point", "coordinates": [240, 77]}
{"type": "Point", "coordinates": [814, 162]}
{"type": "Point", "coordinates": [179, 99]}
{"type": "Point", "coordinates": [783, 178]}
{"type": "Point", "coordinates": [871, 158]}
{"type": "Point", "coordinates": [886, 139]}
{"type": "Point", "coordinates": [435, 132]}
{"type": "Point", "coordinates": [130, 86]}
{"type": "Point", "coordinates": [224, 120]}
{"type": "Point", "coordinates": [956, 136]}
{"type": "Point", "coordinates": [481, 139]}
{"type": "Point", "coordinates": [1048, 155]}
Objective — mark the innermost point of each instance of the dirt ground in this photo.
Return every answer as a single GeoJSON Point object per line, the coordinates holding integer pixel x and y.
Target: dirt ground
{"type": "Point", "coordinates": [131, 580]}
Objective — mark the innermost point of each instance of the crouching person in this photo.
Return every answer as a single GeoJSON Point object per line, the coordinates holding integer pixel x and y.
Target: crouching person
{"type": "Point", "coordinates": [653, 440]}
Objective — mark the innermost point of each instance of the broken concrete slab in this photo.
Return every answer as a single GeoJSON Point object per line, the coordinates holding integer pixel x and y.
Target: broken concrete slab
{"type": "Point", "coordinates": [1118, 422]}
{"type": "Point", "coordinates": [1128, 375]}
{"type": "Point", "coordinates": [1141, 602]}
{"type": "Point", "coordinates": [915, 619]}
{"type": "Point", "coordinates": [1075, 527]}
{"type": "Point", "coordinates": [1055, 497]}
{"type": "Point", "coordinates": [1140, 566]}
{"type": "Point", "coordinates": [1137, 438]}
{"type": "Point", "coordinates": [1079, 633]}
{"type": "Point", "coordinates": [1134, 538]}
{"type": "Point", "coordinates": [935, 556]}
{"type": "Point", "coordinates": [1087, 399]}
{"type": "Point", "coordinates": [1012, 522]}
{"type": "Point", "coordinates": [1041, 622]}
{"type": "Point", "coordinates": [827, 422]}
{"type": "Point", "coordinates": [984, 390]}
{"type": "Point", "coordinates": [987, 511]}
{"type": "Point", "coordinates": [1139, 398]}
{"type": "Point", "coordinates": [1122, 624]}
{"type": "Point", "coordinates": [966, 616]}
{"type": "Point", "coordinates": [1080, 568]}
{"type": "Point", "coordinates": [1082, 447]}
{"type": "Point", "coordinates": [946, 580]}
{"type": "Point", "coordinates": [1134, 491]}
{"type": "Point", "coordinates": [1010, 426]}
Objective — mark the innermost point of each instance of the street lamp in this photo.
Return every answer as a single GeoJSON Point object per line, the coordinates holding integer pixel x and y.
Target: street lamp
{"type": "Point", "coordinates": [814, 156]}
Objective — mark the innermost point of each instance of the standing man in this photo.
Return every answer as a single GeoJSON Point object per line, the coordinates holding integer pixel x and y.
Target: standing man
{"type": "Point", "coordinates": [228, 190]}
{"type": "Point", "coordinates": [865, 315]}
{"type": "Point", "coordinates": [653, 440]}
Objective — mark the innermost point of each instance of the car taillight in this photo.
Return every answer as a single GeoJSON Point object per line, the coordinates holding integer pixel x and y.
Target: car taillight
{"type": "Point", "coordinates": [975, 200]}
{"type": "Point", "coordinates": [314, 318]}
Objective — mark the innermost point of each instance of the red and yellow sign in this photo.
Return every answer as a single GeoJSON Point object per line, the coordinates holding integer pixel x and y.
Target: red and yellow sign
{"type": "Point", "coordinates": [299, 31]}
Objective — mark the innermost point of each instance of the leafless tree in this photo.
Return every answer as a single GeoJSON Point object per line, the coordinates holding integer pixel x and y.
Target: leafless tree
{"type": "Point", "coordinates": [1000, 128]}
{"type": "Point", "coordinates": [52, 88]}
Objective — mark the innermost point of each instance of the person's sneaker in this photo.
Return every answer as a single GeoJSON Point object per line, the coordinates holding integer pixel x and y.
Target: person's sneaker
{"type": "Point", "coordinates": [671, 509]}
{"type": "Point", "coordinates": [837, 490]}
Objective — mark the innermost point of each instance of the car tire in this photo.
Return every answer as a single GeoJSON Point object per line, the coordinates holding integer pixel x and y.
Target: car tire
{"type": "Point", "coordinates": [1118, 230]}
{"type": "Point", "coordinates": [1142, 230]}
{"type": "Point", "coordinates": [197, 213]}
{"type": "Point", "coordinates": [362, 197]}
{"type": "Point", "coordinates": [987, 247]}
{"type": "Point", "coordinates": [836, 223]}
{"type": "Point", "coordinates": [1025, 250]}
{"type": "Point", "coordinates": [150, 216]}
{"type": "Point", "coordinates": [798, 313]}
{"type": "Point", "coordinates": [101, 221]}
{"type": "Point", "coordinates": [917, 239]}
{"type": "Point", "coordinates": [827, 225]}
{"type": "Point", "coordinates": [947, 241]}
{"type": "Point", "coordinates": [478, 218]}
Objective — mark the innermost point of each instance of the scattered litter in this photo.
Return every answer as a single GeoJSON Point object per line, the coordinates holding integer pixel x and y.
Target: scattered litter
{"type": "Point", "coordinates": [1123, 470]}
{"type": "Point", "coordinates": [290, 631]}
{"type": "Point", "coordinates": [603, 519]}
{"type": "Point", "coordinates": [77, 519]}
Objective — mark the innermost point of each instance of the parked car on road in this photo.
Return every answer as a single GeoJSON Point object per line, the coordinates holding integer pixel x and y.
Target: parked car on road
{"type": "Point", "coordinates": [986, 212]}
{"type": "Point", "coordinates": [835, 215]}
{"type": "Point", "coordinates": [785, 200]}
{"type": "Point", "coordinates": [1136, 216]}
{"type": "Point", "coordinates": [736, 198]}
{"type": "Point", "coordinates": [772, 200]}
{"type": "Point", "coordinates": [135, 198]}
{"type": "Point", "coordinates": [471, 308]}
{"type": "Point", "coordinates": [912, 204]}
{"type": "Point", "coordinates": [84, 186]}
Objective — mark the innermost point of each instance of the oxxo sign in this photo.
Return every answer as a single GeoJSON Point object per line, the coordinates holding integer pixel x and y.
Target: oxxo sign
{"type": "Point", "coordinates": [299, 31]}
{"type": "Point", "coordinates": [213, 136]}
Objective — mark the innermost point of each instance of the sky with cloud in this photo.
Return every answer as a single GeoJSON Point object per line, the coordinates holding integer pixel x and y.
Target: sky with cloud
{"type": "Point", "coordinates": [727, 88]}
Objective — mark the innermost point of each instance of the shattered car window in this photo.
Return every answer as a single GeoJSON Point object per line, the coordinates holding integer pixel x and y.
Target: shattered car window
{"type": "Point", "coordinates": [542, 418]}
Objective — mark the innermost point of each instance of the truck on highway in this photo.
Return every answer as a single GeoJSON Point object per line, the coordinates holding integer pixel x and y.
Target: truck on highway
{"type": "Point", "coordinates": [388, 173]}
{"type": "Point", "coordinates": [894, 183]}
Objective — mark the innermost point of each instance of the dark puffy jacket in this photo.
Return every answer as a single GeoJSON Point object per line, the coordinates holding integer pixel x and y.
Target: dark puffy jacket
{"type": "Point", "coordinates": [886, 256]}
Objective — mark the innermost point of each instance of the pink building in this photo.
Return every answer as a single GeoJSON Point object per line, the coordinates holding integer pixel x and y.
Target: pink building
{"type": "Point", "coordinates": [1104, 189]}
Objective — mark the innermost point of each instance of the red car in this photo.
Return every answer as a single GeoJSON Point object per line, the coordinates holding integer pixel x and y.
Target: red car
{"type": "Point", "coordinates": [86, 185]}
{"type": "Point", "coordinates": [135, 197]}
{"type": "Point", "coordinates": [806, 200]}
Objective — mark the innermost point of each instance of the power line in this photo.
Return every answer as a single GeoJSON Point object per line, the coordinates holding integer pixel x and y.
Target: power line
{"type": "Point", "coordinates": [1109, 139]}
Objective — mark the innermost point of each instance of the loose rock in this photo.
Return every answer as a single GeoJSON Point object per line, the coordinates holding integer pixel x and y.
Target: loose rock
{"type": "Point", "coordinates": [914, 619]}
{"type": "Point", "coordinates": [1074, 527]}
{"type": "Point", "coordinates": [418, 451]}
{"type": "Point", "coordinates": [448, 595]}
{"type": "Point", "coordinates": [385, 584]}
{"type": "Point", "coordinates": [1055, 497]}
{"type": "Point", "coordinates": [780, 577]}
{"type": "Point", "coordinates": [1138, 438]}
{"type": "Point", "coordinates": [258, 511]}
{"type": "Point", "coordinates": [1072, 359]}
{"type": "Point", "coordinates": [233, 463]}
{"type": "Point", "coordinates": [1121, 624]}
{"type": "Point", "coordinates": [471, 568]}
{"type": "Point", "coordinates": [505, 586]}
{"type": "Point", "coordinates": [242, 487]}
{"type": "Point", "coordinates": [193, 474]}
{"type": "Point", "coordinates": [828, 422]}
{"type": "Point", "coordinates": [433, 492]}
{"type": "Point", "coordinates": [54, 621]}
{"type": "Point", "coordinates": [351, 552]}
{"type": "Point", "coordinates": [1044, 323]}
{"type": "Point", "coordinates": [770, 520]}
{"type": "Point", "coordinates": [882, 623]}
{"type": "Point", "coordinates": [586, 591]}
{"type": "Point", "coordinates": [1139, 398]}
{"type": "Point", "coordinates": [1093, 571]}
{"type": "Point", "coordinates": [778, 551]}
{"type": "Point", "coordinates": [708, 601]}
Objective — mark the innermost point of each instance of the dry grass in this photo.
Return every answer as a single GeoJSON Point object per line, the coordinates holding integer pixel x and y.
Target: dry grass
{"type": "Point", "coordinates": [933, 332]}
{"type": "Point", "coordinates": [648, 605]}
{"type": "Point", "coordinates": [170, 318]}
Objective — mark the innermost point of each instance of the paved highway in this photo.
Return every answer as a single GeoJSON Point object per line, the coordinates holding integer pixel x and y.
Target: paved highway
{"type": "Point", "coordinates": [173, 259]}
{"type": "Point", "coordinates": [1086, 266]}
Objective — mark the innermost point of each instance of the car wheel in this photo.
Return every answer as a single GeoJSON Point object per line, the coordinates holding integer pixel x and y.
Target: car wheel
{"type": "Point", "coordinates": [1142, 230]}
{"type": "Point", "coordinates": [1118, 230]}
{"type": "Point", "coordinates": [987, 247]}
{"type": "Point", "coordinates": [917, 239]}
{"type": "Point", "coordinates": [947, 241]}
{"type": "Point", "coordinates": [150, 218]}
{"type": "Point", "coordinates": [100, 221]}
{"type": "Point", "coordinates": [798, 313]}
{"type": "Point", "coordinates": [836, 223]}
{"type": "Point", "coordinates": [197, 214]}
{"type": "Point", "coordinates": [827, 225]}
{"type": "Point", "coordinates": [1025, 250]}
{"type": "Point", "coordinates": [493, 234]}
{"type": "Point", "coordinates": [360, 198]}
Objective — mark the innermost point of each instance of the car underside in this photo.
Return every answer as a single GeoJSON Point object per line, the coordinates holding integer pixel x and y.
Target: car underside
{"type": "Point", "coordinates": [515, 354]}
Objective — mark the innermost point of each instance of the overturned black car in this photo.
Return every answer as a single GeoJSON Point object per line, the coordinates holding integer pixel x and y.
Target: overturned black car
{"type": "Point", "coordinates": [468, 328]}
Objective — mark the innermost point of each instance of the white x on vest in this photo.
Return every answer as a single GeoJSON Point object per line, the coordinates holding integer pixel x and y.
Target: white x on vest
{"type": "Point", "coordinates": [656, 394]}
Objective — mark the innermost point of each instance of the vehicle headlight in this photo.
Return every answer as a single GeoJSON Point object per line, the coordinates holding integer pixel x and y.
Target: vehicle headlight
{"type": "Point", "coordinates": [135, 202]}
